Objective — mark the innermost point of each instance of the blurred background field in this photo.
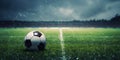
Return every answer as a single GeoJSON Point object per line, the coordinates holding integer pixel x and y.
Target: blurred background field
{"type": "Point", "coordinates": [80, 44]}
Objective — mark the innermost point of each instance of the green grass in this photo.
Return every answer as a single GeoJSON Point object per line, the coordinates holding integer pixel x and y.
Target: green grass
{"type": "Point", "coordinates": [80, 44]}
{"type": "Point", "coordinates": [92, 43]}
{"type": "Point", "coordinates": [12, 45]}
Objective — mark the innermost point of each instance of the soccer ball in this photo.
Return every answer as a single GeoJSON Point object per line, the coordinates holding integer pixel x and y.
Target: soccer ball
{"type": "Point", "coordinates": [35, 40]}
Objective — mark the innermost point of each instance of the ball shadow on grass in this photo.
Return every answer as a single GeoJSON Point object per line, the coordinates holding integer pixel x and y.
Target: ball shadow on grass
{"type": "Point", "coordinates": [34, 50]}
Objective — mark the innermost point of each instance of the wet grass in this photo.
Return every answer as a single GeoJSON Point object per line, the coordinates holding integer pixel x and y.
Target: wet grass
{"type": "Point", "coordinates": [92, 44]}
{"type": "Point", "coordinates": [12, 45]}
{"type": "Point", "coordinates": [80, 44]}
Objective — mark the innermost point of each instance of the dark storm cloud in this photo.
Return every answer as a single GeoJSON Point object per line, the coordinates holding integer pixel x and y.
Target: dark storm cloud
{"type": "Point", "coordinates": [58, 9]}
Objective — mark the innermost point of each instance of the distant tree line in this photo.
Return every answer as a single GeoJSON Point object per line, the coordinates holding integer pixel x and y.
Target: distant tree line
{"type": "Point", "coordinates": [113, 22]}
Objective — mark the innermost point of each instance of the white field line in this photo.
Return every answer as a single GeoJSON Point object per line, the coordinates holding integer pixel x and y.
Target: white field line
{"type": "Point", "coordinates": [62, 44]}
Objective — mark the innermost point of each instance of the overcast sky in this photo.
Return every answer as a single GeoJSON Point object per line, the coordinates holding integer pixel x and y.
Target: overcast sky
{"type": "Point", "coordinates": [42, 10]}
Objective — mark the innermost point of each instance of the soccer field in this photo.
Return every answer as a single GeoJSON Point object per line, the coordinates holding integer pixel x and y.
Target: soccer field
{"type": "Point", "coordinates": [62, 44]}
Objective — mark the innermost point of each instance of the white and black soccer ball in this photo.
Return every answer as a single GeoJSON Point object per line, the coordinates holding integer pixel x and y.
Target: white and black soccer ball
{"type": "Point", "coordinates": [35, 40]}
